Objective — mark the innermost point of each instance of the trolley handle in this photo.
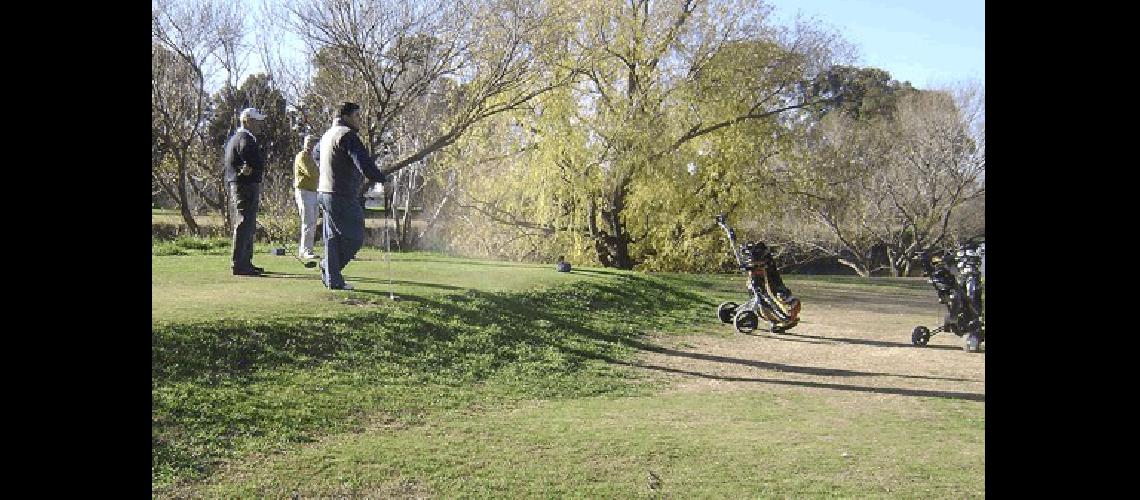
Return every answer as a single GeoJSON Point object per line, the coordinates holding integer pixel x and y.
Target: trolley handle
{"type": "Point", "coordinates": [721, 221]}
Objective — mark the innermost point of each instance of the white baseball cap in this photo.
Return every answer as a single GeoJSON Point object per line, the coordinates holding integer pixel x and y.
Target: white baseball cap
{"type": "Point", "coordinates": [252, 113]}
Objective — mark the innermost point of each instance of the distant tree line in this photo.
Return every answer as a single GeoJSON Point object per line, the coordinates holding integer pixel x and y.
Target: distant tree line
{"type": "Point", "coordinates": [608, 132]}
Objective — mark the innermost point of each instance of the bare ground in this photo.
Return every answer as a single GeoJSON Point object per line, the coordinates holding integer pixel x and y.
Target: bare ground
{"type": "Point", "coordinates": [850, 345]}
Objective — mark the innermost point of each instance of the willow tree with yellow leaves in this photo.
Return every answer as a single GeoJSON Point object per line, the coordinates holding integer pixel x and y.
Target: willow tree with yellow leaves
{"type": "Point", "coordinates": [675, 108]}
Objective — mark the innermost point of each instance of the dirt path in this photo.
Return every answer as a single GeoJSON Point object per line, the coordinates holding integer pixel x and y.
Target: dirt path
{"type": "Point", "coordinates": [848, 345]}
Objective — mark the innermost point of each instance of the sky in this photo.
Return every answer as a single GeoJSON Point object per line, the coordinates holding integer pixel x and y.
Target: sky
{"type": "Point", "coordinates": [928, 43]}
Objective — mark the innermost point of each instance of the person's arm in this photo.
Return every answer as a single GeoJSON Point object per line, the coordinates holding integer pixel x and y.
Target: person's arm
{"type": "Point", "coordinates": [360, 157]}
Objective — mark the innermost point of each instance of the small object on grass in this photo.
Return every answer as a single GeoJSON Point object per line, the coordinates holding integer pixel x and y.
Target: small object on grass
{"type": "Point", "coordinates": [654, 481]}
{"type": "Point", "coordinates": [562, 266]}
{"type": "Point", "coordinates": [277, 251]}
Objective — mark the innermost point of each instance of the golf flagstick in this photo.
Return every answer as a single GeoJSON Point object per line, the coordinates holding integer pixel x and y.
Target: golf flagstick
{"type": "Point", "coordinates": [388, 222]}
{"type": "Point", "coordinates": [388, 240]}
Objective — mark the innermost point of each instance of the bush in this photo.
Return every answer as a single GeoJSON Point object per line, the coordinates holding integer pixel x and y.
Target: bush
{"type": "Point", "coordinates": [190, 245]}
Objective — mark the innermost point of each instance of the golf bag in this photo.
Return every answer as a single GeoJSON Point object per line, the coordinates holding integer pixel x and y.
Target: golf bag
{"type": "Point", "coordinates": [771, 299]}
{"type": "Point", "coordinates": [961, 292]}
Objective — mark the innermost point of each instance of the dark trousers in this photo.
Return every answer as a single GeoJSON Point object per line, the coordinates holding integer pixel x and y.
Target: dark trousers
{"type": "Point", "coordinates": [244, 201]}
{"type": "Point", "coordinates": [343, 234]}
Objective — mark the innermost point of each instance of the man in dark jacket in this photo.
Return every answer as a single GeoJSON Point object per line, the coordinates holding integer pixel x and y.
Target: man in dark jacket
{"type": "Point", "coordinates": [344, 164]}
{"type": "Point", "coordinates": [244, 166]}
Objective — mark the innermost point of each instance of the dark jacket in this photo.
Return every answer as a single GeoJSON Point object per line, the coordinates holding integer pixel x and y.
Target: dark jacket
{"type": "Point", "coordinates": [344, 162]}
{"type": "Point", "coordinates": [242, 149]}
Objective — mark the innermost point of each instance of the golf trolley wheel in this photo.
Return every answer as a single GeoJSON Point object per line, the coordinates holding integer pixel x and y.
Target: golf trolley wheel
{"type": "Point", "coordinates": [920, 336]}
{"type": "Point", "coordinates": [746, 321]}
{"type": "Point", "coordinates": [783, 327]}
{"type": "Point", "coordinates": [726, 312]}
{"type": "Point", "coordinates": [973, 343]}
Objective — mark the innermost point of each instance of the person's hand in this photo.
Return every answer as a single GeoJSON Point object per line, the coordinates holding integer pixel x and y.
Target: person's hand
{"type": "Point", "coordinates": [246, 170]}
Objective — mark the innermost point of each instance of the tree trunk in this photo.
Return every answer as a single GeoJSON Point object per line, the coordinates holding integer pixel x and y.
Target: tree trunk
{"type": "Point", "coordinates": [891, 259]}
{"type": "Point", "coordinates": [599, 237]}
{"type": "Point", "coordinates": [405, 228]}
{"type": "Point", "coordinates": [227, 214]}
{"type": "Point", "coordinates": [184, 200]}
{"type": "Point", "coordinates": [617, 242]}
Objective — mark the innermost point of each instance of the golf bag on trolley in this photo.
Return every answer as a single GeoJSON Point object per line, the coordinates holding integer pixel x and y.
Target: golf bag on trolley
{"type": "Point", "coordinates": [962, 294]}
{"type": "Point", "coordinates": [771, 300]}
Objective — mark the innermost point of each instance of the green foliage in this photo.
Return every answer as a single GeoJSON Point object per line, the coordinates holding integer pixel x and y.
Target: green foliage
{"type": "Point", "coordinates": [860, 93]}
{"type": "Point", "coordinates": [553, 128]}
{"type": "Point", "coordinates": [190, 245]}
{"type": "Point", "coordinates": [605, 178]}
{"type": "Point", "coordinates": [279, 141]}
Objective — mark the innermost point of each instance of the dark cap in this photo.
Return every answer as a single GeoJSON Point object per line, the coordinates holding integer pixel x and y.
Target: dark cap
{"type": "Point", "coordinates": [346, 108]}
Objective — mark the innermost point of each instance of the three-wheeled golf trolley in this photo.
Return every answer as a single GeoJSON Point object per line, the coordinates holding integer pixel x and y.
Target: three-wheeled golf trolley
{"type": "Point", "coordinates": [962, 295]}
{"type": "Point", "coordinates": [770, 299]}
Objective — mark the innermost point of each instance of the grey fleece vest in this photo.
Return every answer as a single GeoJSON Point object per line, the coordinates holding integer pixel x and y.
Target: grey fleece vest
{"type": "Point", "coordinates": [336, 165]}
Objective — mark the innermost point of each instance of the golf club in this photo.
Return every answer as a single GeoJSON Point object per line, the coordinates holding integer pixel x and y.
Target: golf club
{"type": "Point", "coordinates": [388, 239]}
{"type": "Point", "coordinates": [309, 264]}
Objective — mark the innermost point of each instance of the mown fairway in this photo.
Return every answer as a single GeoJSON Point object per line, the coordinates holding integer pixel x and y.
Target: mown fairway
{"type": "Point", "coordinates": [493, 379]}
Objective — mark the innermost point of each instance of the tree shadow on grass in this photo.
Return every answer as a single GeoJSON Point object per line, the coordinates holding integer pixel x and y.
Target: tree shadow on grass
{"type": "Point", "coordinates": [362, 279]}
{"type": "Point", "coordinates": [461, 338]}
{"type": "Point", "coordinates": [467, 337]}
{"type": "Point", "coordinates": [925, 393]}
{"type": "Point", "coordinates": [806, 370]}
{"type": "Point", "coordinates": [383, 281]}
{"type": "Point", "coordinates": [235, 348]}
{"type": "Point", "coordinates": [278, 275]}
{"type": "Point", "coordinates": [876, 343]}
{"type": "Point", "coordinates": [600, 272]}
{"type": "Point", "coordinates": [513, 265]}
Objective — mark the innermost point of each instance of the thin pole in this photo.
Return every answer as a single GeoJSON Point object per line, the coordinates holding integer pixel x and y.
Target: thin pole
{"type": "Point", "coordinates": [389, 203]}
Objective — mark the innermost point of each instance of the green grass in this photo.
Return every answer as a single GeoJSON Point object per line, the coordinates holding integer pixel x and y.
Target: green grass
{"type": "Point", "coordinates": [188, 284]}
{"type": "Point", "coordinates": [497, 379]}
{"type": "Point", "coordinates": [604, 447]}
{"type": "Point", "coordinates": [229, 380]}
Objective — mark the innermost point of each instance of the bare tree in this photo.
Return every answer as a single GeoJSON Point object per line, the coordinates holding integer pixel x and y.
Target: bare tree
{"type": "Point", "coordinates": [425, 71]}
{"type": "Point", "coordinates": [187, 38]}
{"type": "Point", "coordinates": [935, 163]}
{"type": "Point", "coordinates": [889, 189]}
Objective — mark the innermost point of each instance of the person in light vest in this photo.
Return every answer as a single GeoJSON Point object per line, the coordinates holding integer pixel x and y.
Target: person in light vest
{"type": "Point", "coordinates": [344, 166]}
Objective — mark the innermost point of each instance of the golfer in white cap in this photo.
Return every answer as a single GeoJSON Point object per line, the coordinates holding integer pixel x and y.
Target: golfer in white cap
{"type": "Point", "coordinates": [244, 165]}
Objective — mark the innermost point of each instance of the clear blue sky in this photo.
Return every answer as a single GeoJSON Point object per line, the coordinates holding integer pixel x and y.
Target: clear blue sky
{"type": "Point", "coordinates": [925, 42]}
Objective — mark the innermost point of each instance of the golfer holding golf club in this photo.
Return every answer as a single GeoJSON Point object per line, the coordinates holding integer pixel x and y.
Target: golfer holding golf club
{"type": "Point", "coordinates": [344, 164]}
{"type": "Point", "coordinates": [244, 165]}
